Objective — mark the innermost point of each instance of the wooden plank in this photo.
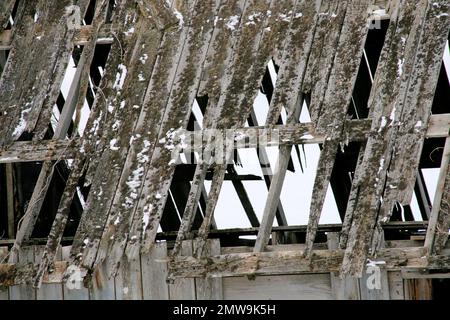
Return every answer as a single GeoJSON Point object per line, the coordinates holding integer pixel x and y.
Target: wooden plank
{"type": "Point", "coordinates": [224, 37]}
{"type": "Point", "coordinates": [264, 163]}
{"type": "Point", "coordinates": [292, 261]}
{"type": "Point", "coordinates": [103, 288]}
{"type": "Point", "coordinates": [342, 289]}
{"type": "Point", "coordinates": [30, 108]}
{"type": "Point", "coordinates": [417, 274]}
{"type": "Point", "coordinates": [158, 176]}
{"type": "Point", "coordinates": [438, 227]}
{"type": "Point", "coordinates": [154, 273]}
{"type": "Point", "coordinates": [240, 261]}
{"type": "Point", "coordinates": [439, 126]}
{"type": "Point", "coordinates": [4, 290]}
{"type": "Point", "coordinates": [244, 198]}
{"type": "Point", "coordinates": [81, 38]}
{"type": "Point", "coordinates": [73, 292]}
{"type": "Point", "coordinates": [48, 291]}
{"type": "Point", "coordinates": [357, 130]}
{"type": "Point", "coordinates": [414, 118]}
{"type": "Point", "coordinates": [46, 150]}
{"type": "Point", "coordinates": [323, 51]}
{"type": "Point", "coordinates": [282, 287]}
{"type": "Point", "coordinates": [24, 291]}
{"type": "Point", "coordinates": [290, 75]}
{"type": "Point", "coordinates": [210, 288]}
{"type": "Point", "coordinates": [386, 101]}
{"type": "Point", "coordinates": [83, 34]}
{"type": "Point", "coordinates": [396, 290]}
{"type": "Point", "coordinates": [237, 111]}
{"type": "Point", "coordinates": [374, 284]}
{"type": "Point", "coordinates": [75, 101]}
{"type": "Point", "coordinates": [183, 289]}
{"type": "Point", "coordinates": [125, 87]}
{"type": "Point", "coordinates": [333, 108]}
{"type": "Point", "coordinates": [10, 200]}
{"type": "Point", "coordinates": [418, 289]}
{"type": "Point", "coordinates": [128, 281]}
{"type": "Point", "coordinates": [6, 8]}
{"type": "Point", "coordinates": [166, 107]}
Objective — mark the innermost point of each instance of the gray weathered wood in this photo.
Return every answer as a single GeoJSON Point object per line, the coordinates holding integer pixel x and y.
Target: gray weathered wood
{"type": "Point", "coordinates": [128, 281]}
{"type": "Point", "coordinates": [414, 118]}
{"type": "Point", "coordinates": [292, 261]}
{"type": "Point", "coordinates": [183, 289]}
{"type": "Point", "coordinates": [48, 291]}
{"type": "Point", "coordinates": [24, 291]}
{"type": "Point", "coordinates": [283, 287]}
{"type": "Point", "coordinates": [4, 290]}
{"type": "Point", "coordinates": [210, 288]}
{"type": "Point", "coordinates": [333, 107]}
{"type": "Point", "coordinates": [438, 227]}
{"type": "Point", "coordinates": [374, 284]}
{"type": "Point", "coordinates": [290, 75]}
{"type": "Point", "coordinates": [386, 101]}
{"type": "Point", "coordinates": [73, 294]}
{"type": "Point", "coordinates": [342, 289]}
{"type": "Point", "coordinates": [10, 199]}
{"type": "Point", "coordinates": [396, 290]}
{"type": "Point", "coordinates": [154, 273]}
{"type": "Point", "coordinates": [103, 288]}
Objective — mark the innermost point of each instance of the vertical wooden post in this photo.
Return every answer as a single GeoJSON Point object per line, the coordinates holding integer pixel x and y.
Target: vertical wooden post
{"type": "Point", "coordinates": [342, 289]}
{"type": "Point", "coordinates": [4, 291]}
{"type": "Point", "coordinates": [128, 280]}
{"type": "Point", "coordinates": [10, 199]}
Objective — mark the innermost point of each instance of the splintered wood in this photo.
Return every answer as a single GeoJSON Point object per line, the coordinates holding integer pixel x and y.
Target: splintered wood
{"type": "Point", "coordinates": [164, 56]}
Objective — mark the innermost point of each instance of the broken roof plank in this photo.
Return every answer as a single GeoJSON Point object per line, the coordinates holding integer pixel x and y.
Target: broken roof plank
{"type": "Point", "coordinates": [6, 8]}
{"type": "Point", "coordinates": [331, 119]}
{"type": "Point", "coordinates": [169, 106]}
{"type": "Point", "coordinates": [386, 101]}
{"type": "Point", "coordinates": [30, 108]}
{"type": "Point", "coordinates": [266, 170]}
{"type": "Point", "coordinates": [287, 94]}
{"type": "Point", "coordinates": [413, 121]}
{"type": "Point", "coordinates": [324, 48]}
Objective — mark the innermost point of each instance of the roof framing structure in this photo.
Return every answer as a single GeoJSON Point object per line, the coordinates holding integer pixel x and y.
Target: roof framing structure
{"type": "Point", "coordinates": [164, 56]}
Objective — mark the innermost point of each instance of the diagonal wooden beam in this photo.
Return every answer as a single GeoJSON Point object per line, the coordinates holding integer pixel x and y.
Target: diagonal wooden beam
{"type": "Point", "coordinates": [333, 108]}
{"type": "Point", "coordinates": [438, 227]}
{"type": "Point", "coordinates": [287, 93]}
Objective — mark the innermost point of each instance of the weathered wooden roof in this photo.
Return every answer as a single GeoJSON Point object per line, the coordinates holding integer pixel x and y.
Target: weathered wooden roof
{"type": "Point", "coordinates": [165, 54]}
